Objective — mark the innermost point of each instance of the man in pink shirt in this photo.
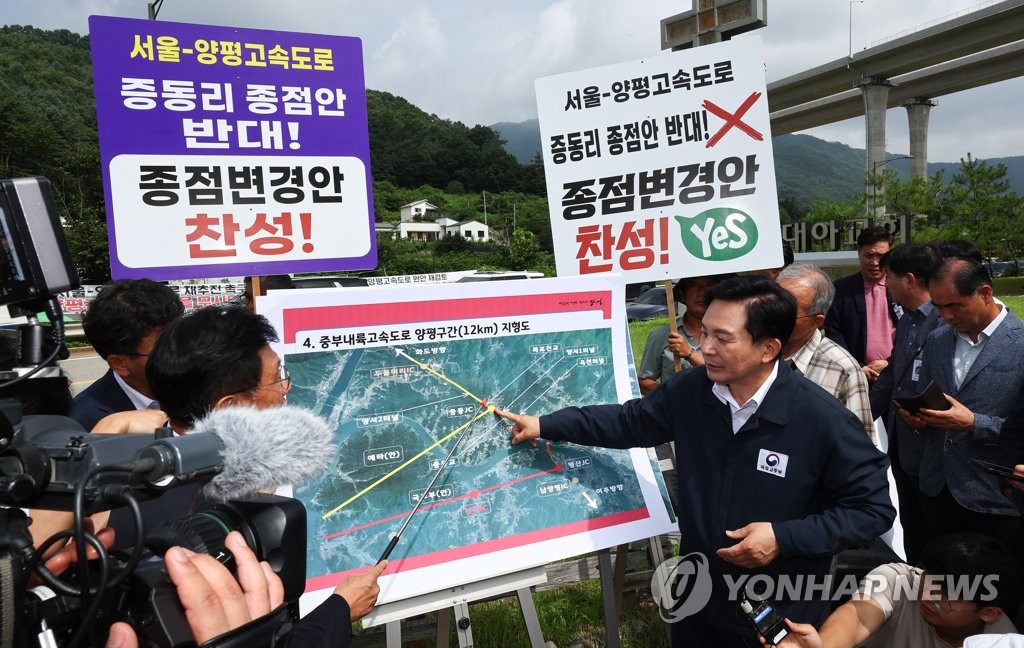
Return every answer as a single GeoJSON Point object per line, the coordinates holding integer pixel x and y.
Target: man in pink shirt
{"type": "Point", "coordinates": [863, 316]}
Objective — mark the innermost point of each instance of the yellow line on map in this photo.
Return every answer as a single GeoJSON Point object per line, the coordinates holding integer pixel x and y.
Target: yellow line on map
{"type": "Point", "coordinates": [490, 408]}
{"type": "Point", "coordinates": [441, 376]}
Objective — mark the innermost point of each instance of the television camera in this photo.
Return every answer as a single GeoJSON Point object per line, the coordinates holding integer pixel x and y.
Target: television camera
{"type": "Point", "coordinates": [50, 462]}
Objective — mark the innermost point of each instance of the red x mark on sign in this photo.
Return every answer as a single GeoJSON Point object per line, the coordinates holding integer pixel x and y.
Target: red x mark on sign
{"type": "Point", "coordinates": [733, 119]}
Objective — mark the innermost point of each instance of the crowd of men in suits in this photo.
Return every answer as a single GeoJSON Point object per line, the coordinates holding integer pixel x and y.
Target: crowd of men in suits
{"type": "Point", "coordinates": [912, 316]}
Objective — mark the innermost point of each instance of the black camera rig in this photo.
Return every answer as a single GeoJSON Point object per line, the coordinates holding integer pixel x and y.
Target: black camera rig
{"type": "Point", "coordinates": [50, 462]}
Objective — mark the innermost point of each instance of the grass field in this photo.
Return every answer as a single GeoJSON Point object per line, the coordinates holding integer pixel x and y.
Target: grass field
{"type": "Point", "coordinates": [570, 616]}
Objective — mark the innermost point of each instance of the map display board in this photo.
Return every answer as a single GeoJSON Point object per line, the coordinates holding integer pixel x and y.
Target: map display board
{"type": "Point", "coordinates": [406, 374]}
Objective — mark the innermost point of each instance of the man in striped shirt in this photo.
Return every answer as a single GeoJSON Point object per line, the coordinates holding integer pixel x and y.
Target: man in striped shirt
{"type": "Point", "coordinates": [818, 358]}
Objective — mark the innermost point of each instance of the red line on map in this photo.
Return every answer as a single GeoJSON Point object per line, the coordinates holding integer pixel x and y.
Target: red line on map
{"type": "Point", "coordinates": [473, 494]}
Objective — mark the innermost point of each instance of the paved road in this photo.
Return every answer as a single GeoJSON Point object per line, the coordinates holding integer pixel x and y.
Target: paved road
{"type": "Point", "coordinates": [83, 367]}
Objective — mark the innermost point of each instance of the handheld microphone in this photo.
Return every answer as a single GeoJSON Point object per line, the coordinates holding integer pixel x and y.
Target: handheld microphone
{"type": "Point", "coordinates": [244, 449]}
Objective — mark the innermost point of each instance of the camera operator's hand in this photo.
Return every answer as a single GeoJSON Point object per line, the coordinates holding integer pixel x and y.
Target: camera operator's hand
{"type": "Point", "coordinates": [130, 422]}
{"type": "Point", "coordinates": [59, 562]}
{"type": "Point", "coordinates": [360, 590]}
{"type": "Point", "coordinates": [122, 636]}
{"type": "Point", "coordinates": [214, 601]}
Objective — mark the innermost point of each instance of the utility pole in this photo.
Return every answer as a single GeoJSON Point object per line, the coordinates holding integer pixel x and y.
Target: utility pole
{"type": "Point", "coordinates": [850, 55]}
{"type": "Point", "coordinates": [485, 207]}
{"type": "Point", "coordinates": [877, 194]}
{"type": "Point", "coordinates": [154, 8]}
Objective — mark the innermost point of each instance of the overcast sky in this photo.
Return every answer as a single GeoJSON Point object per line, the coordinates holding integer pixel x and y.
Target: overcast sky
{"type": "Point", "coordinates": [475, 61]}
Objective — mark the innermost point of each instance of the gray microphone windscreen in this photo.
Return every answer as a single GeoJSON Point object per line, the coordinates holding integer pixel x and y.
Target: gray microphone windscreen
{"type": "Point", "coordinates": [266, 448]}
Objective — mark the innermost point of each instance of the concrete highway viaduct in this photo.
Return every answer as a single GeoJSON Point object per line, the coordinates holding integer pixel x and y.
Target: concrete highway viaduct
{"type": "Point", "coordinates": [971, 50]}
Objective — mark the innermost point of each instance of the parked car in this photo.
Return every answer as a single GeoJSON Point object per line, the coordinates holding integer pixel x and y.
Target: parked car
{"type": "Point", "coordinates": [498, 275]}
{"type": "Point", "coordinates": [1004, 269]}
{"type": "Point", "coordinates": [650, 304]}
{"type": "Point", "coordinates": [333, 281]}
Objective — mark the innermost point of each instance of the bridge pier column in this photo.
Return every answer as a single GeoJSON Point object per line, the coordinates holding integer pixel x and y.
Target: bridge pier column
{"type": "Point", "coordinates": [918, 110]}
{"type": "Point", "coordinates": [876, 94]}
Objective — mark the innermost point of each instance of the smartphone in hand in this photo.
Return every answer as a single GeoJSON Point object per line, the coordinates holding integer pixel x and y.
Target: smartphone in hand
{"type": "Point", "coordinates": [997, 470]}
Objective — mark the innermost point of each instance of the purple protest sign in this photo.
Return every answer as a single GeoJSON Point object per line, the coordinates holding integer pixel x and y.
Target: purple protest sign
{"type": "Point", "coordinates": [230, 151]}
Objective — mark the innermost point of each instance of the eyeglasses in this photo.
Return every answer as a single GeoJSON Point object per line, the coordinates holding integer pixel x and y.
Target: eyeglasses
{"type": "Point", "coordinates": [799, 317]}
{"type": "Point", "coordinates": [136, 355]}
{"type": "Point", "coordinates": [283, 376]}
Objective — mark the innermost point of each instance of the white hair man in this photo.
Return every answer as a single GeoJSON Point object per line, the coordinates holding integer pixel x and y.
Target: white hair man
{"type": "Point", "coordinates": [818, 358]}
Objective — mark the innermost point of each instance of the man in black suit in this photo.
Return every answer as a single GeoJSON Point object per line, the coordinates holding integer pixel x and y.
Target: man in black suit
{"type": "Point", "coordinates": [908, 268]}
{"type": "Point", "coordinates": [122, 324]}
{"type": "Point", "coordinates": [863, 317]}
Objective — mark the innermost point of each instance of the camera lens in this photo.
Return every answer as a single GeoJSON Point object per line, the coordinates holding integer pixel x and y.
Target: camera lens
{"type": "Point", "coordinates": [267, 523]}
{"type": "Point", "coordinates": [202, 532]}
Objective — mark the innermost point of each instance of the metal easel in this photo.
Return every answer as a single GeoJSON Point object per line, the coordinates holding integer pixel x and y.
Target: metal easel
{"type": "Point", "coordinates": [458, 599]}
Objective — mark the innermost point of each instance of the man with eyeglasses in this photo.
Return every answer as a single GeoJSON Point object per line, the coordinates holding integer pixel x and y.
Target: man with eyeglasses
{"type": "Point", "coordinates": [965, 584]}
{"type": "Point", "coordinates": [818, 358]}
{"type": "Point", "coordinates": [219, 356]}
{"type": "Point", "coordinates": [775, 476]}
{"type": "Point", "coordinates": [863, 316]}
{"type": "Point", "coordinates": [122, 324]}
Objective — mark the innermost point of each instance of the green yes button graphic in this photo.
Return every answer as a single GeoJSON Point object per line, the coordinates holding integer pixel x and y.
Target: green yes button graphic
{"type": "Point", "coordinates": [719, 234]}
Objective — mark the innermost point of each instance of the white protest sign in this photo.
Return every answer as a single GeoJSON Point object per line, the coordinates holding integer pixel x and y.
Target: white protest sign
{"type": "Point", "coordinates": [662, 167]}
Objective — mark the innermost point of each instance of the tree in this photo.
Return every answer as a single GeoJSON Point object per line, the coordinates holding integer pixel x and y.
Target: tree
{"type": "Point", "coordinates": [980, 206]}
{"type": "Point", "coordinates": [916, 197]}
{"type": "Point", "coordinates": [452, 244]}
{"type": "Point", "coordinates": [522, 251]}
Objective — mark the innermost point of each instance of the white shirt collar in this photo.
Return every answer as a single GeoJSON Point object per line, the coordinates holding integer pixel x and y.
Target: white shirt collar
{"type": "Point", "coordinates": [139, 400]}
{"type": "Point", "coordinates": [987, 332]}
{"type": "Point", "coordinates": [742, 413]}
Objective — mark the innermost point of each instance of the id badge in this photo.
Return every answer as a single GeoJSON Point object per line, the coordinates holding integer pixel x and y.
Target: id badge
{"type": "Point", "coordinates": [915, 370]}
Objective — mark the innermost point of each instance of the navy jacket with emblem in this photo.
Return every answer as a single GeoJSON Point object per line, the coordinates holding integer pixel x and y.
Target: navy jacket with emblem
{"type": "Point", "coordinates": [835, 493]}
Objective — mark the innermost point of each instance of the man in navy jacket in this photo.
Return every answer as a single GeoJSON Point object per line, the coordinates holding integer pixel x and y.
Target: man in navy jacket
{"type": "Point", "coordinates": [122, 324]}
{"type": "Point", "coordinates": [775, 475]}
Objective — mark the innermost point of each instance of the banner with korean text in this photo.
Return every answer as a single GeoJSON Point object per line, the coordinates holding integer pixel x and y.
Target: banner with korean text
{"type": "Point", "coordinates": [231, 152]}
{"type": "Point", "coordinates": [662, 167]}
